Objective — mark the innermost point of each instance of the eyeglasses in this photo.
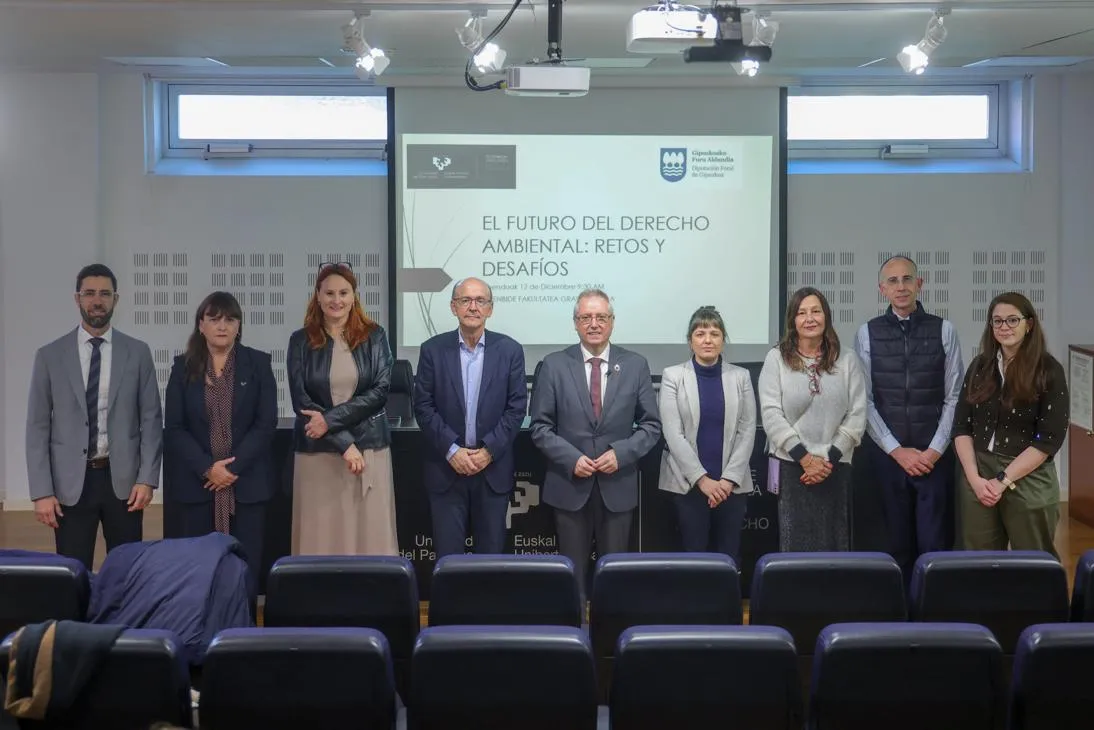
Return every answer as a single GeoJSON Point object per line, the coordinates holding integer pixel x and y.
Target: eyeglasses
{"type": "Point", "coordinates": [1010, 322]}
{"type": "Point", "coordinates": [586, 319]}
{"type": "Point", "coordinates": [335, 264]}
{"type": "Point", "coordinates": [466, 301]}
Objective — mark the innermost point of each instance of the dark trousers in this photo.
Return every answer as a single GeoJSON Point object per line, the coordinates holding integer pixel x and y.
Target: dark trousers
{"type": "Point", "coordinates": [577, 529]}
{"type": "Point", "coordinates": [78, 527]}
{"type": "Point", "coordinates": [248, 525]}
{"type": "Point", "coordinates": [469, 502]}
{"type": "Point", "coordinates": [701, 527]}
{"type": "Point", "coordinates": [919, 511]}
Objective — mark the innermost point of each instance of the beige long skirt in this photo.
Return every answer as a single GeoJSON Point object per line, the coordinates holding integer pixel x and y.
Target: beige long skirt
{"type": "Point", "coordinates": [335, 512]}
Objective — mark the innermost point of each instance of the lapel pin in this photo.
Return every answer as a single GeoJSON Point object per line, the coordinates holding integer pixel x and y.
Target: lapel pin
{"type": "Point", "coordinates": [616, 368]}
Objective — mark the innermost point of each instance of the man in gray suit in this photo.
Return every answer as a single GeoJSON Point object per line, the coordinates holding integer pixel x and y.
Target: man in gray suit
{"type": "Point", "coordinates": [594, 415]}
{"type": "Point", "coordinates": [94, 427]}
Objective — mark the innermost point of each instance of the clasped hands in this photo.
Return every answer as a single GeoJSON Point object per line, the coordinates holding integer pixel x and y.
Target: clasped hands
{"type": "Point", "coordinates": [467, 462]}
{"type": "Point", "coordinates": [716, 491]}
{"type": "Point", "coordinates": [915, 462]}
{"type": "Point", "coordinates": [606, 463]}
{"type": "Point", "coordinates": [816, 469]}
{"type": "Point", "coordinates": [988, 491]}
{"type": "Point", "coordinates": [218, 477]}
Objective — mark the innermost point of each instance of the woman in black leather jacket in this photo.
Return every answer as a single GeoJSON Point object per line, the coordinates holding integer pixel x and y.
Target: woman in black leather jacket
{"type": "Point", "coordinates": [339, 367]}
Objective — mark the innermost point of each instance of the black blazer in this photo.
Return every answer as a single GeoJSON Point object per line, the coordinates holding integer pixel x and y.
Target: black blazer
{"type": "Point", "coordinates": [362, 419]}
{"type": "Point", "coordinates": [254, 421]}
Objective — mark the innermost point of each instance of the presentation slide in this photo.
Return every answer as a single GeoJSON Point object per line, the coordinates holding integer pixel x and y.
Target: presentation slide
{"type": "Point", "coordinates": [663, 224]}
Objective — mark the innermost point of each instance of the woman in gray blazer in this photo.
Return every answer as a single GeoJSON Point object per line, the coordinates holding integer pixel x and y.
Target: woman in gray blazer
{"type": "Point", "coordinates": [708, 415]}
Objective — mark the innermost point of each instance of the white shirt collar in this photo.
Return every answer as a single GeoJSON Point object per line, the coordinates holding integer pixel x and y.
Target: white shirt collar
{"type": "Point", "coordinates": [84, 337]}
{"type": "Point", "coordinates": [605, 356]}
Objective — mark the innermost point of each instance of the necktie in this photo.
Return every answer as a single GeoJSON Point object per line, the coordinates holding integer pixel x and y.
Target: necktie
{"type": "Point", "coordinates": [594, 385]}
{"type": "Point", "coordinates": [93, 397]}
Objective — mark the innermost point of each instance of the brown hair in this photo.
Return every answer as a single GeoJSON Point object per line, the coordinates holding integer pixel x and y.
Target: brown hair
{"type": "Point", "coordinates": [788, 345]}
{"type": "Point", "coordinates": [358, 326]}
{"type": "Point", "coordinates": [706, 316]}
{"type": "Point", "coordinates": [217, 304]}
{"type": "Point", "coordinates": [1026, 374]}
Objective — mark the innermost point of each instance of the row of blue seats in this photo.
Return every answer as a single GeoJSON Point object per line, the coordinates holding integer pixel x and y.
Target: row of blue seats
{"type": "Point", "coordinates": [799, 592]}
{"type": "Point", "coordinates": [896, 676]}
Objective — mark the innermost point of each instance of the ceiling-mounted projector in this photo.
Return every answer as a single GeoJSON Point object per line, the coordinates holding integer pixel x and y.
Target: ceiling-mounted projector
{"type": "Point", "coordinates": [547, 80]}
{"type": "Point", "coordinates": [670, 29]}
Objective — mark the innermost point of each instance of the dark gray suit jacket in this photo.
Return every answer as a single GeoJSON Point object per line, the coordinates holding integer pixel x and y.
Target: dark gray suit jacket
{"type": "Point", "coordinates": [57, 427]}
{"type": "Point", "coordinates": [564, 429]}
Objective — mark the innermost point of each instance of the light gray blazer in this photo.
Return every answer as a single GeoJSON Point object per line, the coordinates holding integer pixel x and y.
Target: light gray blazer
{"type": "Point", "coordinates": [679, 406]}
{"type": "Point", "coordinates": [564, 429]}
{"type": "Point", "coordinates": [57, 426]}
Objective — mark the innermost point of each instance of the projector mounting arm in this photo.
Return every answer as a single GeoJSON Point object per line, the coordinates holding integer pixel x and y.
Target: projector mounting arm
{"type": "Point", "coordinates": [729, 21]}
{"type": "Point", "coordinates": [554, 31]}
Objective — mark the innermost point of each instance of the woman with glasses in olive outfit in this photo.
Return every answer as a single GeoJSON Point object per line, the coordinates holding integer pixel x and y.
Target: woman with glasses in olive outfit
{"type": "Point", "coordinates": [813, 408]}
{"type": "Point", "coordinates": [1010, 421]}
{"type": "Point", "coordinates": [339, 367]}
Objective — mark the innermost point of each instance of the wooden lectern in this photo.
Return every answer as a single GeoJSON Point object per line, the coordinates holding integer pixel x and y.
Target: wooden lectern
{"type": "Point", "coordinates": [1080, 462]}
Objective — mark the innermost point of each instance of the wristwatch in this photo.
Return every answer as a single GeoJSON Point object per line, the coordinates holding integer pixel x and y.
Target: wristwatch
{"type": "Point", "coordinates": [1002, 478]}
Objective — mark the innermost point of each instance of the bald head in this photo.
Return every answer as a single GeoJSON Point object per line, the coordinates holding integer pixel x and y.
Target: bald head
{"type": "Point", "coordinates": [458, 288]}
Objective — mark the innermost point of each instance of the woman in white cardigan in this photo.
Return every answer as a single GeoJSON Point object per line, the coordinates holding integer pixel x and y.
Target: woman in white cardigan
{"type": "Point", "coordinates": [708, 418]}
{"type": "Point", "coordinates": [813, 407]}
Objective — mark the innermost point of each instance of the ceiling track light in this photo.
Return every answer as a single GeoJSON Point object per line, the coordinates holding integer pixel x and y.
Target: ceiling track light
{"type": "Point", "coordinates": [486, 56]}
{"type": "Point", "coordinates": [371, 61]}
{"type": "Point", "coordinates": [915, 59]}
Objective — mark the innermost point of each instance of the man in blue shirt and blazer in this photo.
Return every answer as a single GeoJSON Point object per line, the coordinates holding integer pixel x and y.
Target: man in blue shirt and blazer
{"type": "Point", "coordinates": [470, 399]}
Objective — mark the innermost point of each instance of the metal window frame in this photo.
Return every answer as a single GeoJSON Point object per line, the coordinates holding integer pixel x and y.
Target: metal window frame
{"type": "Point", "coordinates": [173, 146]}
{"type": "Point", "coordinates": [994, 146]}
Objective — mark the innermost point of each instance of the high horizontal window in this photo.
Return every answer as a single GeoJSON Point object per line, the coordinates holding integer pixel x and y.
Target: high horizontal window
{"type": "Point", "coordinates": [273, 120]}
{"type": "Point", "coordinates": [914, 121]}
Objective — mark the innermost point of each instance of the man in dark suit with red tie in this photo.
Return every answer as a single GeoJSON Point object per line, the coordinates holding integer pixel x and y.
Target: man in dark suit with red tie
{"type": "Point", "coordinates": [594, 415]}
{"type": "Point", "coordinates": [470, 399]}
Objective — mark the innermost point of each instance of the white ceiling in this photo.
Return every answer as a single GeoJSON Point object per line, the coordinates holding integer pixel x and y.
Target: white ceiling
{"type": "Point", "coordinates": [291, 36]}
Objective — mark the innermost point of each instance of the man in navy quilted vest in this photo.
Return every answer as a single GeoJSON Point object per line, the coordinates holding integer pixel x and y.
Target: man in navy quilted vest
{"type": "Point", "coordinates": [914, 369]}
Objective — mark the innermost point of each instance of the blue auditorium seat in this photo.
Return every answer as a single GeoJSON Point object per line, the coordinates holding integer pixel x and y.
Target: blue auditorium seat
{"type": "Point", "coordinates": [144, 679]}
{"type": "Point", "coordinates": [314, 678]}
{"type": "Point", "coordinates": [704, 677]}
{"type": "Point", "coordinates": [1053, 666]}
{"type": "Point", "coordinates": [1082, 595]}
{"type": "Point", "coordinates": [502, 678]}
{"type": "Point", "coordinates": [641, 589]}
{"type": "Point", "coordinates": [527, 590]}
{"type": "Point", "coordinates": [804, 592]}
{"type": "Point", "coordinates": [907, 676]}
{"type": "Point", "coordinates": [36, 587]}
{"type": "Point", "coordinates": [1005, 591]}
{"type": "Point", "coordinates": [377, 592]}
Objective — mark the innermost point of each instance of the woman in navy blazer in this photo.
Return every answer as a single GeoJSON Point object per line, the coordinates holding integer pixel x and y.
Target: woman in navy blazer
{"type": "Point", "coordinates": [220, 416]}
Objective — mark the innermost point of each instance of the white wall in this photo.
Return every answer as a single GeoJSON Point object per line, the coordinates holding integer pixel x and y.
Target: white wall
{"type": "Point", "coordinates": [49, 228]}
{"type": "Point", "coordinates": [949, 217]}
{"type": "Point", "coordinates": [285, 221]}
{"type": "Point", "coordinates": [1076, 144]}
{"type": "Point", "coordinates": [72, 189]}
